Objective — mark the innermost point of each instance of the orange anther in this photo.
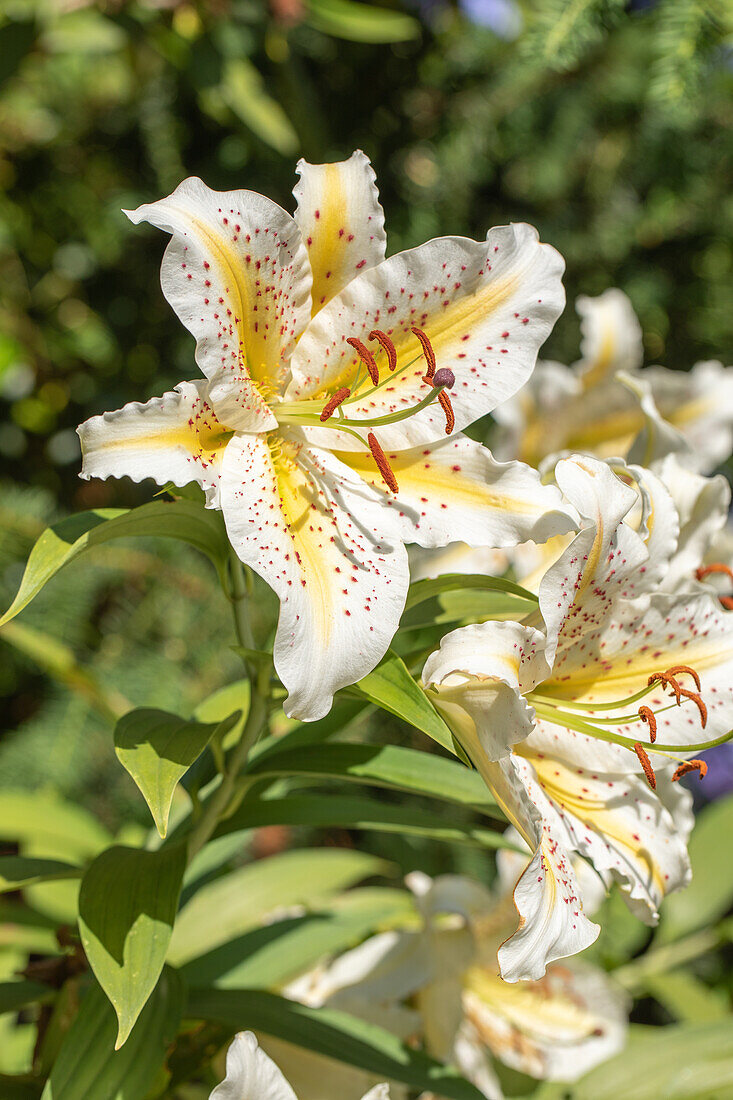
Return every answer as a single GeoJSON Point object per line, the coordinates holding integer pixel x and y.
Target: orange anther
{"type": "Point", "coordinates": [427, 352]}
{"type": "Point", "coordinates": [666, 681]}
{"type": "Point", "coordinates": [386, 344]}
{"type": "Point", "coordinates": [450, 420]}
{"type": "Point", "coordinates": [382, 465]}
{"type": "Point", "coordinates": [366, 357]}
{"type": "Point", "coordinates": [334, 401]}
{"type": "Point", "coordinates": [715, 567]}
{"type": "Point", "coordinates": [646, 765]}
{"type": "Point", "coordinates": [690, 766]}
{"type": "Point", "coordinates": [677, 669]}
{"type": "Point", "coordinates": [697, 700]}
{"type": "Point", "coordinates": [727, 602]}
{"type": "Point", "coordinates": [647, 715]}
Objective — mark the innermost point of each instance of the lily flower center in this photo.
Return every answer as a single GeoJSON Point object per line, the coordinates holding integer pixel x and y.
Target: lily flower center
{"type": "Point", "coordinates": [335, 413]}
{"type": "Point", "coordinates": [589, 719]}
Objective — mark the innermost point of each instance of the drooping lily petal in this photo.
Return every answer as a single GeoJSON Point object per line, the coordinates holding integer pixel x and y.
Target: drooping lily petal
{"type": "Point", "coordinates": [174, 438]}
{"type": "Point", "coordinates": [477, 680]}
{"type": "Point", "coordinates": [486, 307]}
{"type": "Point", "coordinates": [454, 489]}
{"type": "Point", "coordinates": [597, 807]}
{"type": "Point", "coordinates": [611, 337]}
{"type": "Point", "coordinates": [321, 539]}
{"type": "Point", "coordinates": [341, 221]}
{"type": "Point", "coordinates": [237, 274]}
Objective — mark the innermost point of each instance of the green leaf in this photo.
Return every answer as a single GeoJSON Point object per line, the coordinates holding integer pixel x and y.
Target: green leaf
{"type": "Point", "coordinates": [71, 537]}
{"type": "Point", "coordinates": [16, 41]}
{"type": "Point", "coordinates": [341, 715]}
{"type": "Point", "coordinates": [158, 748]}
{"type": "Point", "coordinates": [333, 1034]}
{"type": "Point", "coordinates": [90, 1067]}
{"type": "Point", "coordinates": [16, 995]}
{"type": "Point", "coordinates": [236, 903]}
{"type": "Point", "coordinates": [392, 688]}
{"type": "Point", "coordinates": [449, 582]}
{"type": "Point", "coordinates": [390, 766]}
{"type": "Point", "coordinates": [127, 907]}
{"type": "Point", "coordinates": [43, 822]}
{"type": "Point", "coordinates": [19, 1088]}
{"type": "Point", "coordinates": [245, 92]}
{"type": "Point", "coordinates": [686, 998]}
{"type": "Point", "coordinates": [325, 811]}
{"type": "Point", "coordinates": [709, 895]}
{"type": "Point", "coordinates": [278, 952]}
{"type": "Point", "coordinates": [358, 22]}
{"type": "Point", "coordinates": [678, 1063]}
{"type": "Point", "coordinates": [19, 871]}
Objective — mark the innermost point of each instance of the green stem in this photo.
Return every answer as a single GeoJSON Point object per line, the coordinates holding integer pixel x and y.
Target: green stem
{"type": "Point", "coordinates": [238, 597]}
{"type": "Point", "coordinates": [572, 722]}
{"type": "Point", "coordinates": [669, 956]}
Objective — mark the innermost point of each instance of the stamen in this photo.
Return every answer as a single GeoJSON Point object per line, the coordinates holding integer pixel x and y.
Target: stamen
{"type": "Point", "coordinates": [715, 567]}
{"type": "Point", "coordinates": [333, 402]}
{"type": "Point", "coordinates": [647, 716]}
{"type": "Point", "coordinates": [727, 602]}
{"type": "Point", "coordinates": [450, 420]}
{"type": "Point", "coordinates": [690, 766]}
{"type": "Point", "coordinates": [646, 765]}
{"type": "Point", "coordinates": [383, 339]}
{"type": "Point", "coordinates": [697, 700]}
{"type": "Point", "coordinates": [382, 465]}
{"type": "Point", "coordinates": [427, 352]}
{"type": "Point", "coordinates": [366, 357]}
{"type": "Point", "coordinates": [666, 681]}
{"type": "Point", "coordinates": [677, 669]}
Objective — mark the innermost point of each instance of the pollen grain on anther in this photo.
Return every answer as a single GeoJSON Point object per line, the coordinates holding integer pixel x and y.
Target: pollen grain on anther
{"type": "Point", "coordinates": [428, 352]}
{"type": "Point", "coordinates": [382, 464]}
{"type": "Point", "coordinates": [690, 766]}
{"type": "Point", "coordinates": [366, 357]}
{"type": "Point", "coordinates": [450, 420]}
{"type": "Point", "coordinates": [666, 681]}
{"type": "Point", "coordinates": [387, 346]}
{"type": "Point", "coordinates": [646, 765]}
{"type": "Point", "coordinates": [699, 703]}
{"type": "Point", "coordinates": [647, 715]}
{"type": "Point", "coordinates": [334, 401]}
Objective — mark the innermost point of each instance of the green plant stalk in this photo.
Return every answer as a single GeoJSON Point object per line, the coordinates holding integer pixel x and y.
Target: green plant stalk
{"type": "Point", "coordinates": [219, 803]}
{"type": "Point", "coordinates": [670, 956]}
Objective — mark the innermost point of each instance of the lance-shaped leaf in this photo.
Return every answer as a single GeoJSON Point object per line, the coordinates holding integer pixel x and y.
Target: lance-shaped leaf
{"type": "Point", "coordinates": [127, 906]}
{"type": "Point", "coordinates": [16, 995]}
{"type": "Point", "coordinates": [237, 902]}
{"type": "Point", "coordinates": [334, 1034]}
{"type": "Point", "coordinates": [64, 541]}
{"type": "Point", "coordinates": [158, 748]}
{"type": "Point", "coordinates": [451, 582]}
{"type": "Point", "coordinates": [89, 1066]}
{"type": "Point", "coordinates": [390, 766]}
{"type": "Point", "coordinates": [361, 22]}
{"type": "Point", "coordinates": [392, 688]}
{"type": "Point", "coordinates": [19, 871]}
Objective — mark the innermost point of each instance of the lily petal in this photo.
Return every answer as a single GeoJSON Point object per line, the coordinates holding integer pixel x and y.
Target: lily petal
{"type": "Point", "coordinates": [251, 1074]}
{"type": "Point", "coordinates": [611, 336]}
{"type": "Point", "coordinates": [455, 489]}
{"type": "Point", "coordinates": [552, 921]}
{"type": "Point", "coordinates": [597, 808]}
{"type": "Point", "coordinates": [554, 1029]}
{"type": "Point", "coordinates": [174, 438]}
{"type": "Point", "coordinates": [606, 561]}
{"type": "Point", "coordinates": [236, 272]}
{"type": "Point", "coordinates": [322, 540]}
{"type": "Point", "coordinates": [702, 504]}
{"type": "Point", "coordinates": [341, 220]}
{"type": "Point", "coordinates": [478, 676]}
{"type": "Point", "coordinates": [487, 307]}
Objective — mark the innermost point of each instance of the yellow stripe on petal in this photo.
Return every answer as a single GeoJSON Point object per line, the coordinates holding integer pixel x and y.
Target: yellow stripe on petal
{"type": "Point", "coordinates": [341, 221]}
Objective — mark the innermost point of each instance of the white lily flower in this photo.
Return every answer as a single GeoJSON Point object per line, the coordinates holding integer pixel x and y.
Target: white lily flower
{"type": "Point", "coordinates": [586, 408]}
{"type": "Point", "coordinates": [552, 721]}
{"type": "Point", "coordinates": [252, 1075]}
{"type": "Point", "coordinates": [557, 1028]}
{"type": "Point", "coordinates": [326, 456]}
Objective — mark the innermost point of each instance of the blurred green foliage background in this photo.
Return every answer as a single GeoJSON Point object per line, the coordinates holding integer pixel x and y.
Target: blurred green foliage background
{"type": "Point", "coordinates": [607, 125]}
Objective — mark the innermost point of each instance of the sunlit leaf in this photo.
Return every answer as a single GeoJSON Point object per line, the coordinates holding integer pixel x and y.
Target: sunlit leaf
{"type": "Point", "coordinates": [392, 688]}
{"type": "Point", "coordinates": [19, 871]}
{"type": "Point", "coordinates": [127, 907]}
{"type": "Point", "coordinates": [360, 22]}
